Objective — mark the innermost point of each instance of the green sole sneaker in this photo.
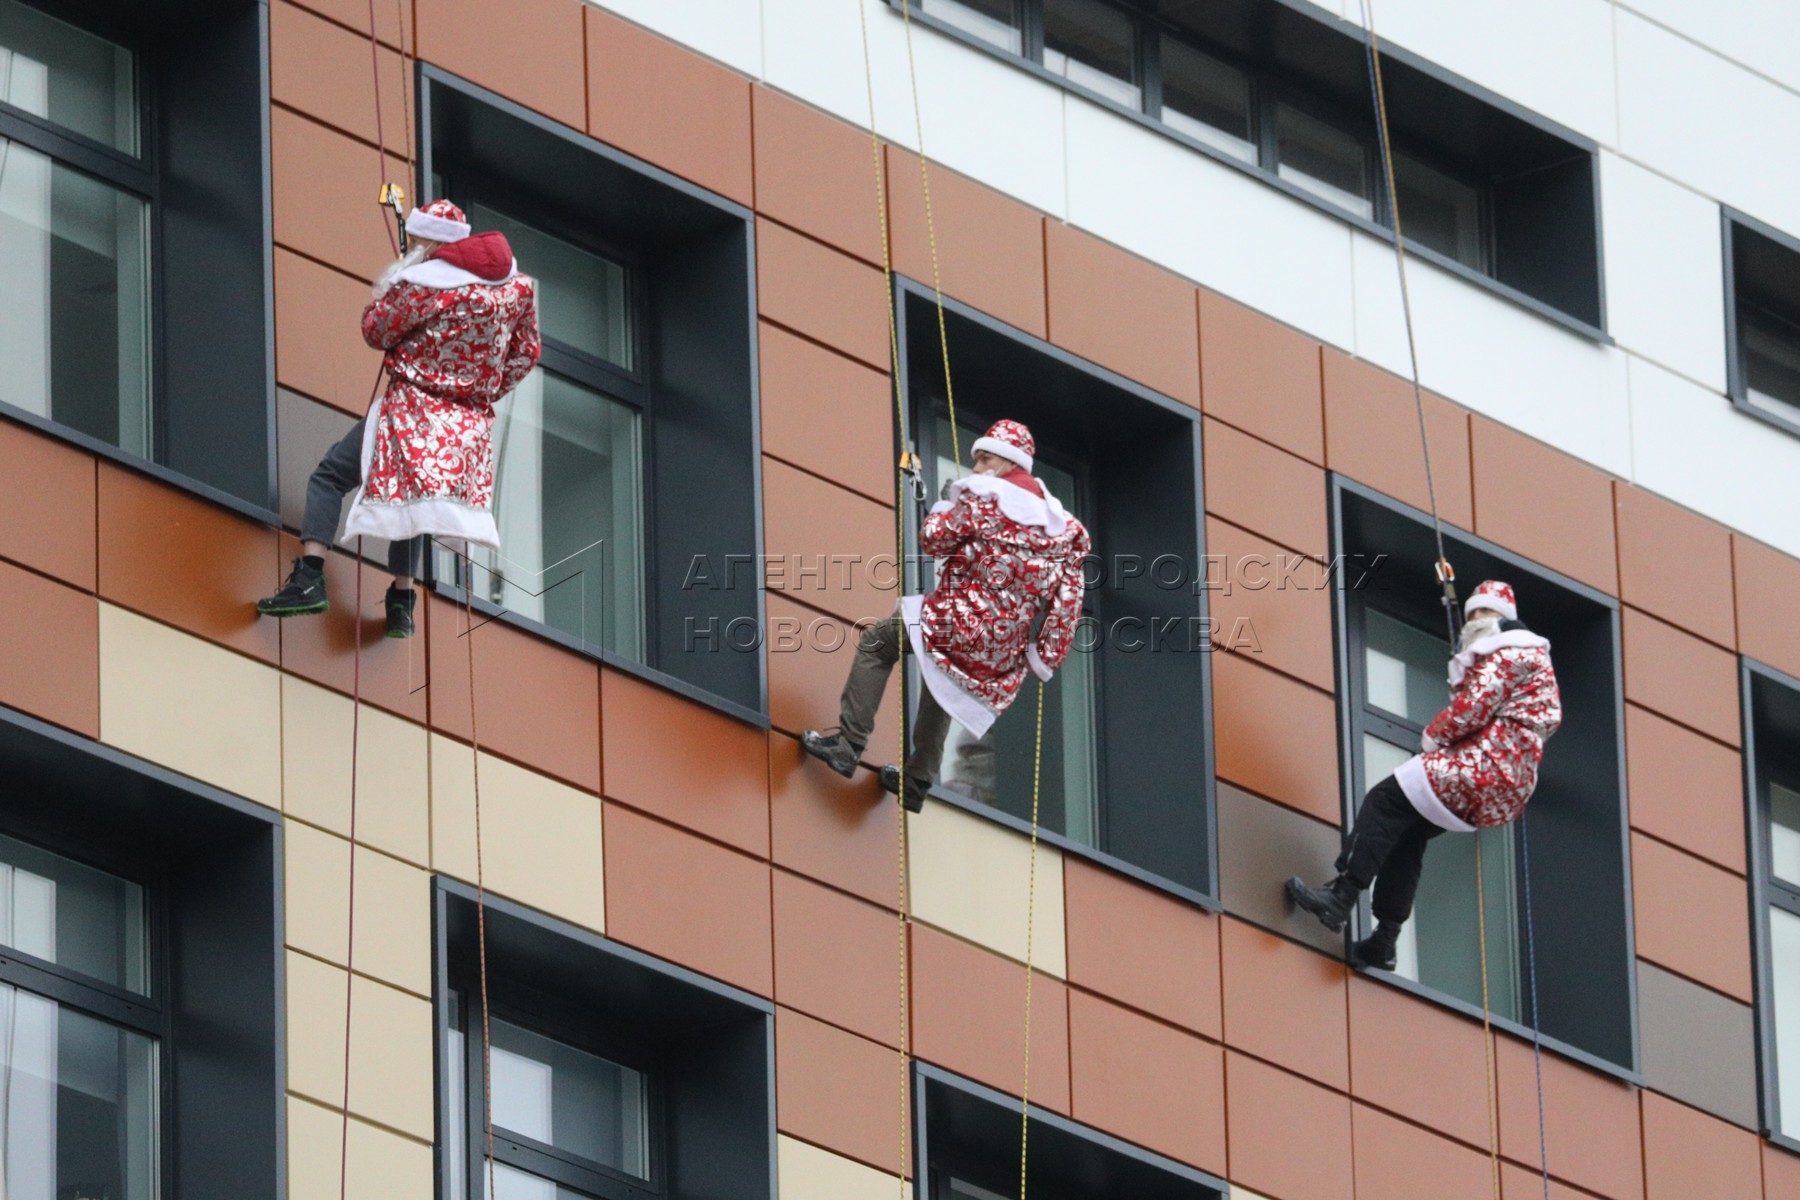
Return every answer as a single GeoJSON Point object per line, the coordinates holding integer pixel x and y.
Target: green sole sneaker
{"type": "Point", "coordinates": [304, 610]}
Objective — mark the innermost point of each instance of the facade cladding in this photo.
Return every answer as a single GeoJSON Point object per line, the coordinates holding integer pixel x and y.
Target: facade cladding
{"type": "Point", "coordinates": [1160, 247]}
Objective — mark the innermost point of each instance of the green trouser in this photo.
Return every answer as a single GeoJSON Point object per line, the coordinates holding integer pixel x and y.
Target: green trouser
{"type": "Point", "coordinates": [876, 653]}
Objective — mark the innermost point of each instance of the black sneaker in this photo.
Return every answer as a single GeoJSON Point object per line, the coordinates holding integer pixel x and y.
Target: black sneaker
{"type": "Point", "coordinates": [913, 798]}
{"type": "Point", "coordinates": [301, 595]}
{"type": "Point", "coordinates": [400, 612]}
{"type": "Point", "coordinates": [1331, 903]}
{"type": "Point", "coordinates": [831, 748]}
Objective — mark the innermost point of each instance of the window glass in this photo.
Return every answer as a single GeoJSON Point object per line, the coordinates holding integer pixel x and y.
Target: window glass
{"type": "Point", "coordinates": [997, 768]}
{"type": "Point", "coordinates": [1403, 668]}
{"type": "Point", "coordinates": [1784, 971]}
{"type": "Point", "coordinates": [79, 1098]}
{"type": "Point", "coordinates": [1439, 212]}
{"type": "Point", "coordinates": [1771, 362]}
{"type": "Point", "coordinates": [567, 1098]}
{"type": "Point", "coordinates": [68, 76]}
{"type": "Point", "coordinates": [961, 1190]}
{"type": "Point", "coordinates": [1445, 921]}
{"type": "Point", "coordinates": [510, 1183]}
{"type": "Point", "coordinates": [1324, 160]}
{"type": "Point", "coordinates": [1093, 45]}
{"type": "Point", "coordinates": [993, 21]}
{"type": "Point", "coordinates": [1784, 834]}
{"type": "Point", "coordinates": [75, 344]}
{"type": "Point", "coordinates": [74, 916]}
{"type": "Point", "coordinates": [583, 299]}
{"type": "Point", "coordinates": [569, 504]}
{"type": "Point", "coordinates": [1206, 99]}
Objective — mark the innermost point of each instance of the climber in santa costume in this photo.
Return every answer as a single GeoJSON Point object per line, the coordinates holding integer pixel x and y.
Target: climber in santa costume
{"type": "Point", "coordinates": [1012, 556]}
{"type": "Point", "coordinates": [1478, 767]}
{"type": "Point", "coordinates": [458, 324]}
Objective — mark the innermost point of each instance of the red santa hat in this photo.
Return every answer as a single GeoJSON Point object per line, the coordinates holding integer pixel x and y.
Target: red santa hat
{"type": "Point", "coordinates": [1495, 595]}
{"type": "Point", "coordinates": [439, 221]}
{"type": "Point", "coordinates": [1009, 440]}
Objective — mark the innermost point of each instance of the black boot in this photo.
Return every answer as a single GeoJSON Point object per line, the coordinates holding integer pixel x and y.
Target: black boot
{"type": "Point", "coordinates": [833, 749]}
{"type": "Point", "coordinates": [303, 593]}
{"type": "Point", "coordinates": [1331, 903]}
{"type": "Point", "coordinates": [917, 787]}
{"type": "Point", "coordinates": [1377, 951]}
{"type": "Point", "coordinates": [400, 611]}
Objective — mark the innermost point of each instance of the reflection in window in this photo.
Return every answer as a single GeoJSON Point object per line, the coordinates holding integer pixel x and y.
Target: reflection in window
{"type": "Point", "coordinates": [1095, 46]}
{"type": "Point", "coordinates": [993, 21]}
{"type": "Point", "coordinates": [997, 768]}
{"type": "Point", "coordinates": [68, 77]}
{"type": "Point", "coordinates": [1439, 212]}
{"type": "Point", "coordinates": [1324, 160]}
{"type": "Point", "coordinates": [1784, 972]}
{"type": "Point", "coordinates": [1207, 100]}
{"type": "Point", "coordinates": [1405, 668]}
{"type": "Point", "coordinates": [62, 912]}
{"type": "Point", "coordinates": [75, 344]}
{"type": "Point", "coordinates": [1771, 358]}
{"type": "Point", "coordinates": [582, 298]}
{"type": "Point", "coordinates": [1784, 834]}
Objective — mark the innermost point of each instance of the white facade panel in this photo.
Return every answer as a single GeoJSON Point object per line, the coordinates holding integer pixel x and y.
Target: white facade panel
{"type": "Point", "coordinates": [1709, 123]}
{"type": "Point", "coordinates": [1209, 222]}
{"type": "Point", "coordinates": [1551, 56]}
{"type": "Point", "coordinates": [1665, 271]}
{"type": "Point", "coordinates": [1761, 34]}
{"type": "Point", "coordinates": [728, 30]}
{"type": "Point", "coordinates": [1495, 357]}
{"type": "Point", "coordinates": [984, 118]}
{"type": "Point", "coordinates": [1695, 448]}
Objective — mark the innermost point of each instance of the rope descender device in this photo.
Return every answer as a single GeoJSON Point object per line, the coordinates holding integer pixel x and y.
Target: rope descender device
{"type": "Point", "coordinates": [913, 468]}
{"type": "Point", "coordinates": [393, 197]}
{"type": "Point", "coordinates": [1446, 577]}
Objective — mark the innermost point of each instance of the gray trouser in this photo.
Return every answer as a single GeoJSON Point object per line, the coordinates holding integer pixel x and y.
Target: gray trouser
{"type": "Point", "coordinates": [338, 474]}
{"type": "Point", "coordinates": [876, 655]}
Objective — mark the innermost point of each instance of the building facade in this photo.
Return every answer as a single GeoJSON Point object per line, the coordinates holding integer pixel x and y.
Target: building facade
{"type": "Point", "coordinates": [596, 884]}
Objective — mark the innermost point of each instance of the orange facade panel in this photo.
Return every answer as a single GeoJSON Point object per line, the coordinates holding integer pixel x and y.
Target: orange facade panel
{"type": "Point", "coordinates": [50, 651]}
{"type": "Point", "coordinates": [1142, 947]}
{"type": "Point", "coordinates": [1259, 718]}
{"type": "Point", "coordinates": [1122, 312]}
{"type": "Point", "coordinates": [535, 56]}
{"type": "Point", "coordinates": [1675, 565]}
{"type": "Point", "coordinates": [47, 505]}
{"type": "Point", "coordinates": [1544, 504]}
{"type": "Point", "coordinates": [1261, 376]}
{"type": "Point", "coordinates": [323, 70]}
{"type": "Point", "coordinates": [826, 413]}
{"type": "Point", "coordinates": [1264, 489]}
{"type": "Point", "coordinates": [816, 174]}
{"type": "Point", "coordinates": [1147, 1082]}
{"type": "Point", "coordinates": [1372, 427]}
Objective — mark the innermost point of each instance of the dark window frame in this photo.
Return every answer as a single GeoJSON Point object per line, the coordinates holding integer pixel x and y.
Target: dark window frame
{"type": "Point", "coordinates": [917, 333]}
{"type": "Point", "coordinates": [935, 1090]}
{"type": "Point", "coordinates": [1765, 890]}
{"type": "Point", "coordinates": [147, 176]}
{"type": "Point", "coordinates": [217, 985]}
{"type": "Point", "coordinates": [1731, 222]}
{"type": "Point", "coordinates": [543, 975]}
{"type": "Point", "coordinates": [435, 88]}
{"type": "Point", "coordinates": [1148, 115]}
{"type": "Point", "coordinates": [1352, 722]}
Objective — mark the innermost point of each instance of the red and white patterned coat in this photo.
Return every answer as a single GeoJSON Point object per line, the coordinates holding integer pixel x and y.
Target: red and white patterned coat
{"type": "Point", "coordinates": [1481, 754]}
{"type": "Point", "coordinates": [1011, 554]}
{"type": "Point", "coordinates": [452, 353]}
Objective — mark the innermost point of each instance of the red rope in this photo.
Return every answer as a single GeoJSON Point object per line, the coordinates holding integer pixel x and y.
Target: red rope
{"type": "Point", "coordinates": [380, 125]}
{"type": "Point", "coordinates": [487, 1041]}
{"type": "Point", "coordinates": [350, 932]}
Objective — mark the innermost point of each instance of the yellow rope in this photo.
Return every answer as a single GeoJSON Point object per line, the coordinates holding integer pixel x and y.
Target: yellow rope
{"type": "Point", "coordinates": [1037, 765]}
{"type": "Point", "coordinates": [1487, 1028]}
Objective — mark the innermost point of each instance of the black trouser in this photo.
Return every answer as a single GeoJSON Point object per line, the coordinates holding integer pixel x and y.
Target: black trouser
{"type": "Point", "coordinates": [1387, 847]}
{"type": "Point", "coordinates": [339, 473]}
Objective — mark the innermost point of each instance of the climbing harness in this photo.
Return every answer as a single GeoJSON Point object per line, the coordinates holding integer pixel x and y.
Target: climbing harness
{"type": "Point", "coordinates": [1446, 577]}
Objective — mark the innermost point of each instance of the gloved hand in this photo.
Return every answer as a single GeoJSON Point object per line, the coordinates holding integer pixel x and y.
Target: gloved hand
{"type": "Point", "coordinates": [1427, 743]}
{"type": "Point", "coordinates": [944, 492]}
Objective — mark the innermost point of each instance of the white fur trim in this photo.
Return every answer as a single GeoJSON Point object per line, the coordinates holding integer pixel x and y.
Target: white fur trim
{"type": "Point", "coordinates": [1045, 512]}
{"type": "Point", "coordinates": [440, 517]}
{"type": "Point", "coordinates": [1038, 666]}
{"type": "Point", "coordinates": [1522, 639]}
{"type": "Point", "coordinates": [963, 708]}
{"type": "Point", "coordinates": [442, 276]}
{"type": "Point", "coordinates": [1411, 777]}
{"type": "Point", "coordinates": [420, 223]}
{"type": "Point", "coordinates": [1427, 743]}
{"type": "Point", "coordinates": [942, 506]}
{"type": "Point", "coordinates": [1490, 601]}
{"type": "Point", "coordinates": [1006, 450]}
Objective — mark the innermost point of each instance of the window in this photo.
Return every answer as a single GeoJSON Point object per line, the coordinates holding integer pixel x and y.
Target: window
{"type": "Point", "coordinates": [1772, 785]}
{"type": "Point", "coordinates": [134, 248]}
{"type": "Point", "coordinates": [74, 243]}
{"type": "Point", "coordinates": [613, 1073]}
{"type": "Point", "coordinates": [1123, 745]}
{"type": "Point", "coordinates": [1763, 312]}
{"type": "Point", "coordinates": [139, 1012]}
{"type": "Point", "coordinates": [968, 1149]}
{"type": "Point", "coordinates": [1486, 189]}
{"type": "Point", "coordinates": [646, 386]}
{"type": "Point", "coordinates": [1393, 654]}
{"type": "Point", "coordinates": [568, 452]}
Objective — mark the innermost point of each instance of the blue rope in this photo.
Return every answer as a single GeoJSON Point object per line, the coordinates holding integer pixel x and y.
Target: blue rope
{"type": "Point", "coordinates": [1537, 1042]}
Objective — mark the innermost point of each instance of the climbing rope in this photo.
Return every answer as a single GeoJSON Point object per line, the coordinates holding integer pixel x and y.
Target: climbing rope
{"type": "Point", "coordinates": [1037, 765]}
{"type": "Point", "coordinates": [350, 918]}
{"type": "Point", "coordinates": [487, 1040]}
{"type": "Point", "coordinates": [1446, 577]}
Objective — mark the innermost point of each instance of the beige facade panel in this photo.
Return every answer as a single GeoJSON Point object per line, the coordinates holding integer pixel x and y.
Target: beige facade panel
{"type": "Point", "coordinates": [809, 1173]}
{"type": "Point", "coordinates": [972, 877]}
{"type": "Point", "coordinates": [393, 794]}
{"type": "Point", "coordinates": [393, 907]}
{"type": "Point", "coordinates": [382, 1163]}
{"type": "Point", "coordinates": [391, 1069]}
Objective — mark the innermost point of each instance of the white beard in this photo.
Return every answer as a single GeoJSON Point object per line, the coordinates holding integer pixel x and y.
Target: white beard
{"type": "Point", "coordinates": [1474, 631]}
{"type": "Point", "coordinates": [391, 272]}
